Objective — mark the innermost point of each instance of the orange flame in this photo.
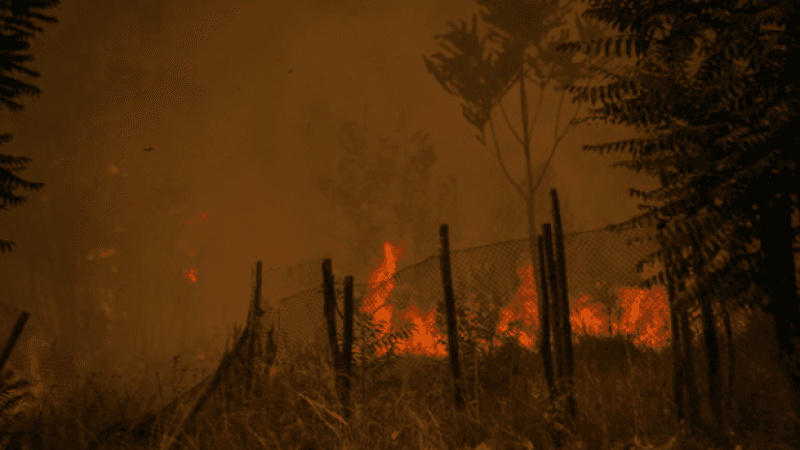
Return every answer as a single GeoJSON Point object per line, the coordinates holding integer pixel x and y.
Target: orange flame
{"type": "Point", "coordinates": [190, 274]}
{"type": "Point", "coordinates": [644, 313]}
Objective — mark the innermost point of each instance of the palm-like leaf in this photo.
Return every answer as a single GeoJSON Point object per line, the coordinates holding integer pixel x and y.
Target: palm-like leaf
{"type": "Point", "coordinates": [713, 156]}
{"type": "Point", "coordinates": [17, 404]}
{"type": "Point", "coordinates": [468, 69]}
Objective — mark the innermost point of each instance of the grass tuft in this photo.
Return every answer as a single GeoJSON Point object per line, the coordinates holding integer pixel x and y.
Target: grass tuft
{"type": "Point", "coordinates": [623, 396]}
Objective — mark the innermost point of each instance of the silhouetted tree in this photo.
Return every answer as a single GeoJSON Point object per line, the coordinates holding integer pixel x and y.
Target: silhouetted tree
{"type": "Point", "coordinates": [481, 67]}
{"type": "Point", "coordinates": [712, 89]}
{"type": "Point", "coordinates": [383, 182]}
{"type": "Point", "coordinates": [18, 24]}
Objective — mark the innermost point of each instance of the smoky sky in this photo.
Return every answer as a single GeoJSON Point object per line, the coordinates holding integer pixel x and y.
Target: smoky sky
{"type": "Point", "coordinates": [242, 104]}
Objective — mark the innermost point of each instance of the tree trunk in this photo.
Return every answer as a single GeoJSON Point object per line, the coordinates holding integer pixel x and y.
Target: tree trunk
{"type": "Point", "coordinates": [726, 322]}
{"type": "Point", "coordinates": [778, 270]}
{"type": "Point", "coordinates": [692, 397]}
{"type": "Point", "coordinates": [678, 359]}
{"type": "Point", "coordinates": [712, 358]}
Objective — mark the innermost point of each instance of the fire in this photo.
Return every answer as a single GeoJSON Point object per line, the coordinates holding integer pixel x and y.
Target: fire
{"type": "Point", "coordinates": [192, 252]}
{"type": "Point", "coordinates": [198, 219]}
{"type": "Point", "coordinates": [643, 313]}
{"type": "Point", "coordinates": [644, 316]}
{"type": "Point", "coordinates": [426, 339]}
{"type": "Point", "coordinates": [381, 284]}
{"type": "Point", "coordinates": [524, 306]}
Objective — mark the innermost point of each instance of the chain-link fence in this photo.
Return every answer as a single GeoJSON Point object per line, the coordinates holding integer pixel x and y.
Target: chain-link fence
{"type": "Point", "coordinates": [489, 276]}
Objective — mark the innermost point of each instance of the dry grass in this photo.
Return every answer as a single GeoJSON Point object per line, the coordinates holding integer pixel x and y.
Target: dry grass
{"type": "Point", "coordinates": [621, 400]}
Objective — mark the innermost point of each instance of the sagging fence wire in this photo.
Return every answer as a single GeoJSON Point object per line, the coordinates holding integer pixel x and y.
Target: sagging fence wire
{"type": "Point", "coordinates": [489, 282]}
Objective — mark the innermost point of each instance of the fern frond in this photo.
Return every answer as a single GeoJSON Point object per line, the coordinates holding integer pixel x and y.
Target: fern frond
{"type": "Point", "coordinates": [599, 45]}
{"type": "Point", "coordinates": [17, 405]}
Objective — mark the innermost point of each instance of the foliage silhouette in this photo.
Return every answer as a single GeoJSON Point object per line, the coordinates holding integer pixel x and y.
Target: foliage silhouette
{"type": "Point", "coordinates": [711, 90]}
{"type": "Point", "coordinates": [18, 24]}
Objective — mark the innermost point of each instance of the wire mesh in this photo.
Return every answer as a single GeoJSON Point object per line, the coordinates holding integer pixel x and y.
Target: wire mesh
{"type": "Point", "coordinates": [489, 275]}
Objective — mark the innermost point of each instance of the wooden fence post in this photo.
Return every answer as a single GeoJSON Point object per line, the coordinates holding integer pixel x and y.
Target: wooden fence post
{"type": "Point", "coordinates": [566, 327]}
{"type": "Point", "coordinates": [340, 366]}
{"type": "Point", "coordinates": [544, 323]}
{"type": "Point", "coordinates": [254, 318]}
{"type": "Point", "coordinates": [450, 305]}
{"type": "Point", "coordinates": [12, 340]}
{"type": "Point", "coordinates": [555, 307]}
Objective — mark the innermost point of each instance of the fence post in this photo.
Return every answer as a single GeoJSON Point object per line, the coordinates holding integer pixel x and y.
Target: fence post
{"type": "Point", "coordinates": [12, 341]}
{"type": "Point", "coordinates": [544, 323]}
{"type": "Point", "coordinates": [253, 327]}
{"type": "Point", "coordinates": [563, 298]}
{"type": "Point", "coordinates": [450, 305]}
{"type": "Point", "coordinates": [555, 308]}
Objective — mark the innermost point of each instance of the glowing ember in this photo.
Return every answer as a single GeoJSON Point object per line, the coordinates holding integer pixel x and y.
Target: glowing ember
{"type": "Point", "coordinates": [197, 219]}
{"type": "Point", "coordinates": [191, 273]}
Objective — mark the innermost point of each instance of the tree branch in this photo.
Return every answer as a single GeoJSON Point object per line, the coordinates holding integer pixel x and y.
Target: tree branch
{"type": "Point", "coordinates": [508, 122]}
{"type": "Point", "coordinates": [557, 137]}
{"type": "Point", "coordinates": [558, 116]}
{"type": "Point", "coordinates": [502, 165]}
{"type": "Point", "coordinates": [542, 87]}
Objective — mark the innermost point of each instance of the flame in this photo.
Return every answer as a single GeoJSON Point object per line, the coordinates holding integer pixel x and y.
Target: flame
{"type": "Point", "coordinates": [190, 274]}
{"type": "Point", "coordinates": [644, 313]}
{"type": "Point", "coordinates": [524, 307]}
{"type": "Point", "coordinates": [199, 218]}
{"type": "Point", "coordinates": [381, 285]}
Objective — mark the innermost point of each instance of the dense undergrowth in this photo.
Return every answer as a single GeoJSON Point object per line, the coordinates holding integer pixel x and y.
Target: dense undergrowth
{"type": "Point", "coordinates": [623, 396]}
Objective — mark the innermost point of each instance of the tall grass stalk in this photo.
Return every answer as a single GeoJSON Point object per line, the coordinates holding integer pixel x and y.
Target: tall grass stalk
{"type": "Point", "coordinates": [622, 393]}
